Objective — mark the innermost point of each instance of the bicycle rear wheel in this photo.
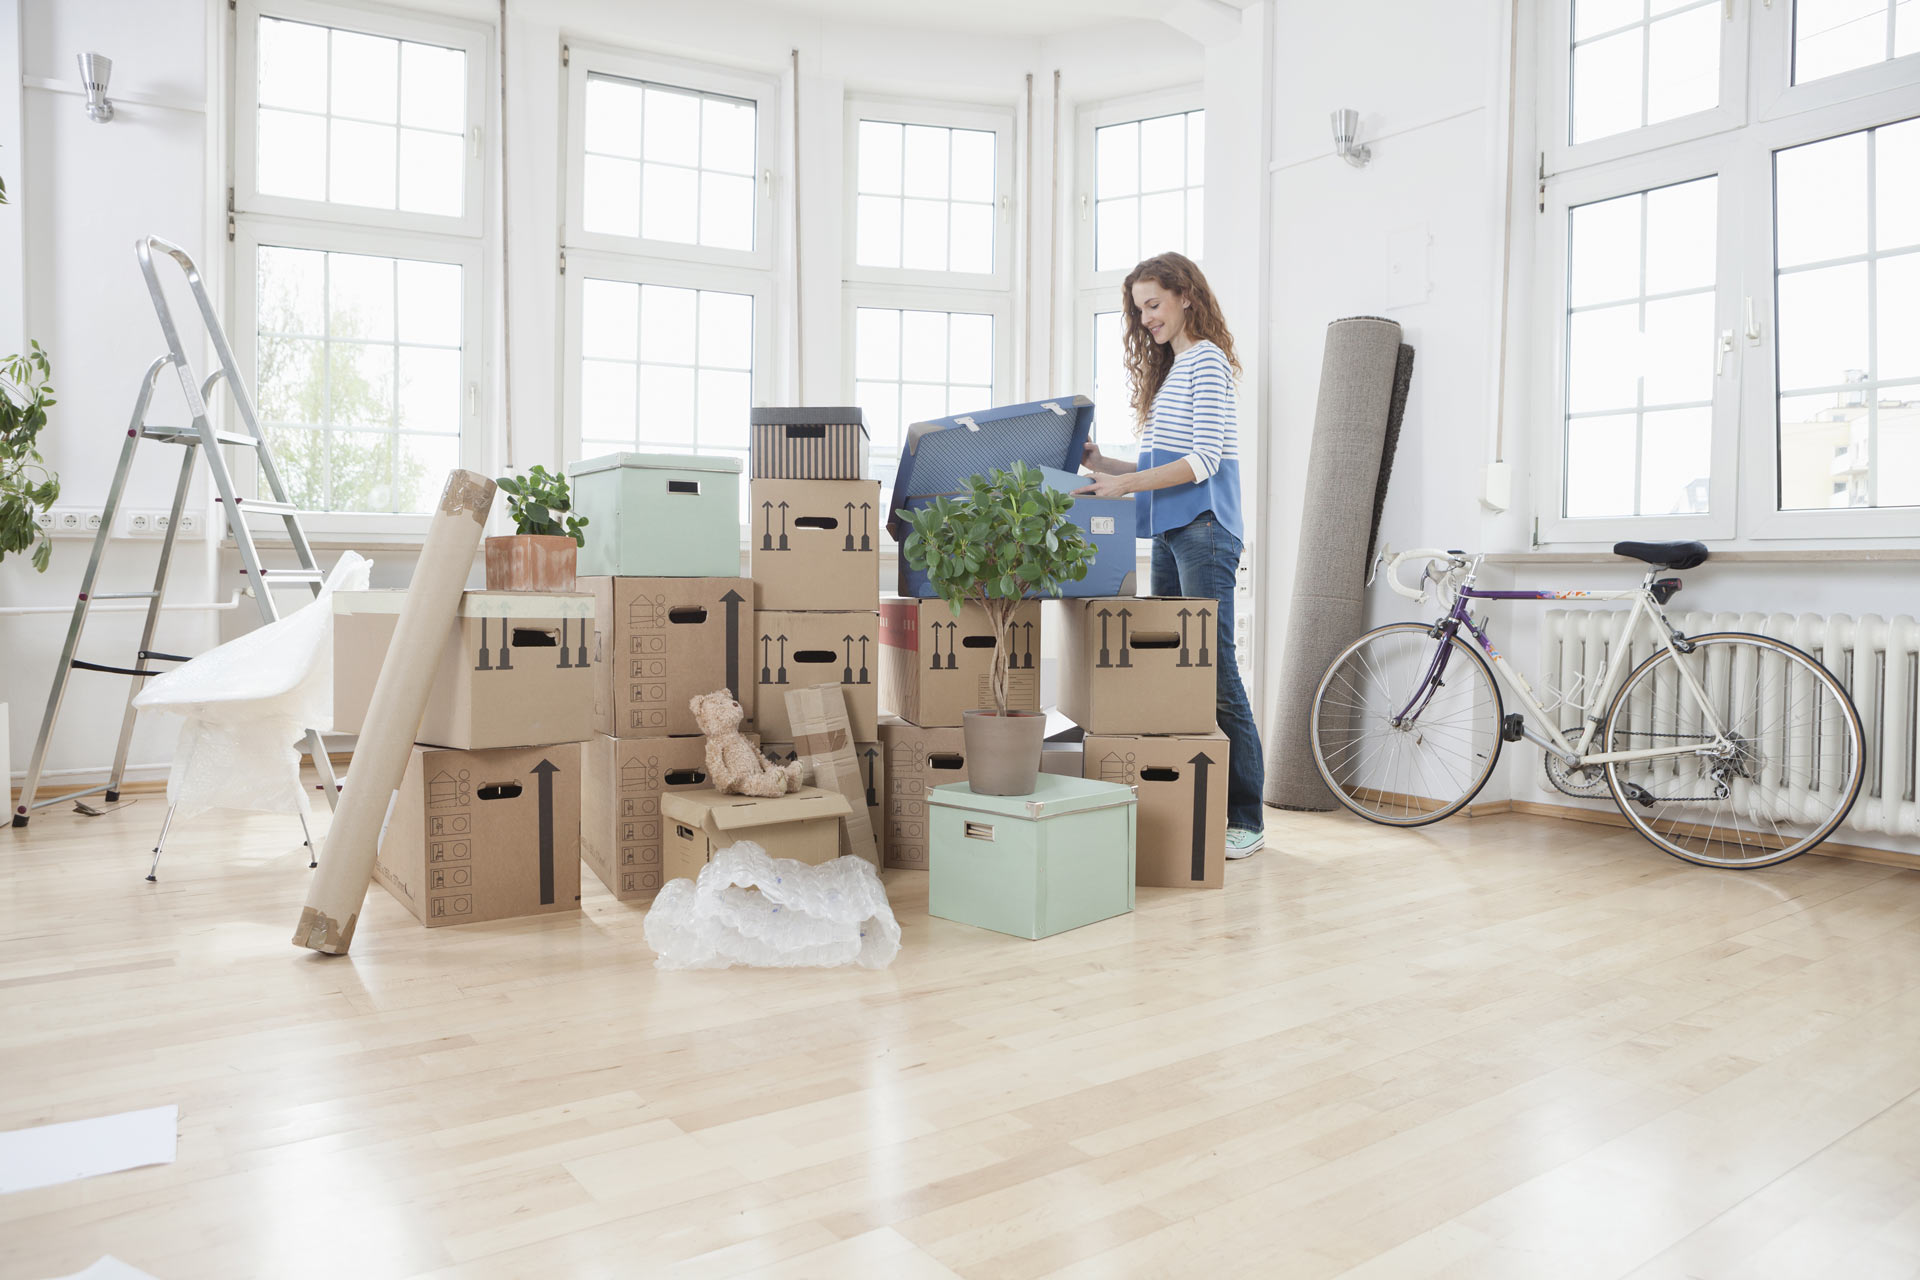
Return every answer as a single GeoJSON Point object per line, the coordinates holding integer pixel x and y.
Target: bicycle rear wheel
{"type": "Point", "coordinates": [1787, 779]}
{"type": "Point", "coordinates": [1386, 749]}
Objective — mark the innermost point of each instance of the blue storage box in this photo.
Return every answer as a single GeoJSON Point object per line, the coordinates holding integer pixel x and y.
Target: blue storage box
{"type": "Point", "coordinates": [941, 455]}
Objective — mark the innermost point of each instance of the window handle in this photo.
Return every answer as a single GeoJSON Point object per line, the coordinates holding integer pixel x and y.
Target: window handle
{"type": "Point", "coordinates": [1753, 323]}
{"type": "Point", "coordinates": [1726, 349]}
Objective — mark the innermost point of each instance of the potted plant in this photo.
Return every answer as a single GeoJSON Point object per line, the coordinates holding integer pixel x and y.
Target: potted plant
{"type": "Point", "coordinates": [26, 487]}
{"type": "Point", "coordinates": [1005, 539]}
{"type": "Point", "coordinates": [540, 554]}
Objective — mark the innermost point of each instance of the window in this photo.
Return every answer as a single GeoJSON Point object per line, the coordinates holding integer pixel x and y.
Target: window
{"type": "Point", "coordinates": [1832, 36]}
{"type": "Point", "coordinates": [1142, 192]}
{"type": "Point", "coordinates": [929, 304]}
{"type": "Point", "coordinates": [357, 240]}
{"type": "Point", "coordinates": [1147, 193]}
{"type": "Point", "coordinates": [1735, 276]}
{"type": "Point", "coordinates": [1640, 349]}
{"type": "Point", "coordinates": [668, 262]}
{"type": "Point", "coordinates": [1847, 291]}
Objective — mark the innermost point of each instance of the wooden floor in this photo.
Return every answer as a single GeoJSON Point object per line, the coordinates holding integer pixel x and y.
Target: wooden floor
{"type": "Point", "coordinates": [1502, 1047]}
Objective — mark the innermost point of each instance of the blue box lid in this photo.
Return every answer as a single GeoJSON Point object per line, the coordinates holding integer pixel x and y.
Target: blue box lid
{"type": "Point", "coordinates": [941, 455]}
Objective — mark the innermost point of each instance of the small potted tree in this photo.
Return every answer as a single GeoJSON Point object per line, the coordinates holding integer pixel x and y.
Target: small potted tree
{"type": "Point", "coordinates": [27, 488]}
{"type": "Point", "coordinates": [1005, 539]}
{"type": "Point", "coordinates": [540, 554]}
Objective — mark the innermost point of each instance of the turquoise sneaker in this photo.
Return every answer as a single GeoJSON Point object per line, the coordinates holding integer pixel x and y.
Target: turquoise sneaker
{"type": "Point", "coordinates": [1242, 843]}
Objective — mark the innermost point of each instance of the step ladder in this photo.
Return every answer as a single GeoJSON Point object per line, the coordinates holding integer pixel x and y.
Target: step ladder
{"type": "Point", "coordinates": [196, 440]}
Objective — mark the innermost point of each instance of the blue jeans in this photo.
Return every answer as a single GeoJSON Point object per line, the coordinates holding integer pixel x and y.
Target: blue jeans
{"type": "Point", "coordinates": [1200, 560]}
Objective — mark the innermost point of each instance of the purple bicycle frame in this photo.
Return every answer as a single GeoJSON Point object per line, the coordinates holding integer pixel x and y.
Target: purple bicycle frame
{"type": "Point", "coordinates": [1449, 626]}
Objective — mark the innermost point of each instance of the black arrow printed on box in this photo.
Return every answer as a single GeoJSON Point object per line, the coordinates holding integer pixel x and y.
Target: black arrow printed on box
{"type": "Point", "coordinates": [545, 771]}
{"type": "Point", "coordinates": [733, 600]}
{"type": "Point", "coordinates": [1200, 763]}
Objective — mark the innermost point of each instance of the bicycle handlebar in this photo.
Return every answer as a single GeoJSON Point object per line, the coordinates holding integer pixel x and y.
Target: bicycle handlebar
{"type": "Point", "coordinates": [1390, 561]}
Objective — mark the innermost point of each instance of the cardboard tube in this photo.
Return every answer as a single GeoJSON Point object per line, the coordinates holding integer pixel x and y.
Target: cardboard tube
{"type": "Point", "coordinates": [339, 887]}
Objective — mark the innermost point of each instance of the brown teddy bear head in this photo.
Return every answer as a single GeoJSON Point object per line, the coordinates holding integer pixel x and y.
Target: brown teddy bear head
{"type": "Point", "coordinates": [715, 712]}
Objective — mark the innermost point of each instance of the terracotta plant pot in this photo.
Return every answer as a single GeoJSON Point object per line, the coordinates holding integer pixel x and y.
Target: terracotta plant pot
{"type": "Point", "coordinates": [530, 562]}
{"type": "Point", "coordinates": [1003, 751]}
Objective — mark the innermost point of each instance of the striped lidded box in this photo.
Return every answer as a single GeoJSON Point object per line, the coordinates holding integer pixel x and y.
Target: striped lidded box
{"type": "Point", "coordinates": [810, 443]}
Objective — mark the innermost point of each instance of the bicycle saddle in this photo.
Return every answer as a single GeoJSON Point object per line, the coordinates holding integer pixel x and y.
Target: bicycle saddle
{"type": "Point", "coordinates": [1666, 555]}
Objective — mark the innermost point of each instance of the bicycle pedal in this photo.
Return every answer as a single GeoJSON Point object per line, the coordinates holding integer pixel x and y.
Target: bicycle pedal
{"type": "Point", "coordinates": [1511, 727]}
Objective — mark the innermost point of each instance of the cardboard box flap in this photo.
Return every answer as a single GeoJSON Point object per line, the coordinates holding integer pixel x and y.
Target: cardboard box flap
{"type": "Point", "coordinates": [474, 604]}
{"type": "Point", "coordinates": [656, 462]}
{"type": "Point", "coordinates": [744, 813]}
{"type": "Point", "coordinates": [940, 455]}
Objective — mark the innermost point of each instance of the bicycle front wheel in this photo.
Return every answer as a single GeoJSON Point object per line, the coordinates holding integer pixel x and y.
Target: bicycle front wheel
{"type": "Point", "coordinates": [1785, 777]}
{"type": "Point", "coordinates": [1406, 729]}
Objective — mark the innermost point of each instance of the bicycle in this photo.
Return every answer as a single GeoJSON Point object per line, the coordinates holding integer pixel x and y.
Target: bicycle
{"type": "Point", "coordinates": [1725, 749]}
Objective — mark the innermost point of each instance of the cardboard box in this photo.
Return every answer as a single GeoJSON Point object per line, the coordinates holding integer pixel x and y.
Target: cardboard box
{"type": "Point", "coordinates": [659, 515]}
{"type": "Point", "coordinates": [484, 835]}
{"type": "Point", "coordinates": [1033, 865]}
{"type": "Point", "coordinates": [916, 760]}
{"type": "Point", "coordinates": [516, 667]}
{"type": "Point", "coordinates": [622, 780]}
{"type": "Point", "coordinates": [873, 776]}
{"type": "Point", "coordinates": [663, 641]}
{"type": "Point", "coordinates": [1063, 758]}
{"type": "Point", "coordinates": [1139, 664]}
{"type": "Point", "coordinates": [815, 544]}
{"type": "Point", "coordinates": [812, 648]}
{"type": "Point", "coordinates": [1181, 782]}
{"type": "Point", "coordinates": [804, 826]}
{"type": "Point", "coordinates": [824, 740]}
{"type": "Point", "coordinates": [809, 444]}
{"type": "Point", "coordinates": [934, 666]}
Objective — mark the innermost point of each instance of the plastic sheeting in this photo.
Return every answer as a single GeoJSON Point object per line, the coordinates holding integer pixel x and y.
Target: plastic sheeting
{"type": "Point", "coordinates": [751, 909]}
{"type": "Point", "coordinates": [249, 702]}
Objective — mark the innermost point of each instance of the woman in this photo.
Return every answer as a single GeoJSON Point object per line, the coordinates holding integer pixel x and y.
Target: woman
{"type": "Point", "coordinates": [1181, 365]}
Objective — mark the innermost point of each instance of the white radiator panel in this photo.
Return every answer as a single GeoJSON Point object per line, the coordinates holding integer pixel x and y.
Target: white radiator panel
{"type": "Point", "coordinates": [1876, 658]}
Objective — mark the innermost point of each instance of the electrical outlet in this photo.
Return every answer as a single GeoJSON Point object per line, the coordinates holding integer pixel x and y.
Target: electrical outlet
{"type": "Point", "coordinates": [140, 522]}
{"type": "Point", "coordinates": [44, 519]}
{"type": "Point", "coordinates": [189, 525]}
{"type": "Point", "coordinates": [162, 523]}
{"type": "Point", "coordinates": [71, 522]}
{"type": "Point", "coordinates": [93, 521]}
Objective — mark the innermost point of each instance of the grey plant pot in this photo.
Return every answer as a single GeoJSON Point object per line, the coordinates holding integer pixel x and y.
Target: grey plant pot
{"type": "Point", "coordinates": [1003, 751]}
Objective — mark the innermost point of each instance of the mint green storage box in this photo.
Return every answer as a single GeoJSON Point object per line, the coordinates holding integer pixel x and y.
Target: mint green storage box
{"type": "Point", "coordinates": [658, 515]}
{"type": "Point", "coordinates": [1031, 865]}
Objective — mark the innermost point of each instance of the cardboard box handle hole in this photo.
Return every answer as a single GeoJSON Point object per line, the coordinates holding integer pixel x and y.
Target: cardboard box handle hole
{"type": "Point", "coordinates": [976, 642]}
{"type": "Point", "coordinates": [1154, 640]}
{"type": "Point", "coordinates": [1160, 775]}
{"type": "Point", "coordinates": [685, 777]}
{"type": "Point", "coordinates": [685, 833]}
{"type": "Point", "coordinates": [535, 638]}
{"type": "Point", "coordinates": [816, 655]}
{"type": "Point", "coordinates": [684, 486]}
{"type": "Point", "coordinates": [800, 432]}
{"type": "Point", "coordinates": [816, 522]}
{"type": "Point", "coordinates": [979, 831]}
{"type": "Point", "coordinates": [499, 791]}
{"type": "Point", "coordinates": [687, 613]}
{"type": "Point", "coordinates": [946, 760]}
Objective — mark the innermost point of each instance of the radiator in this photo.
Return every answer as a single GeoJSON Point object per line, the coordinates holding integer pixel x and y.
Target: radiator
{"type": "Point", "coordinates": [1877, 659]}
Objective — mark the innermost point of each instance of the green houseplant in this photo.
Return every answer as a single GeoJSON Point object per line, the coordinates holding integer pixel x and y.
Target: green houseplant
{"type": "Point", "coordinates": [540, 554]}
{"type": "Point", "coordinates": [1005, 539]}
{"type": "Point", "coordinates": [27, 488]}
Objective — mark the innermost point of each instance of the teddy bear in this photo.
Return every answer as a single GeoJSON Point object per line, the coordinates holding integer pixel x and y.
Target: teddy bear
{"type": "Point", "coordinates": [733, 766]}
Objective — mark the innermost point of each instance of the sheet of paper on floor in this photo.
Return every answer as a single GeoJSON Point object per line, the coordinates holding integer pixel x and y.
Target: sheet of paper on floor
{"type": "Point", "coordinates": [109, 1268]}
{"type": "Point", "coordinates": [54, 1153]}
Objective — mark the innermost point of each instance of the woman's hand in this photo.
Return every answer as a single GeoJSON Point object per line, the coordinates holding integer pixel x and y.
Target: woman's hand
{"type": "Point", "coordinates": [1104, 486]}
{"type": "Point", "coordinates": [1090, 457]}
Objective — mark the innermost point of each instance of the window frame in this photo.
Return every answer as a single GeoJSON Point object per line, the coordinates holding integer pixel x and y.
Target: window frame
{"type": "Point", "coordinates": [1090, 304]}
{"type": "Point", "coordinates": [472, 39]}
{"type": "Point", "coordinates": [476, 450]}
{"type": "Point", "coordinates": [997, 120]}
{"type": "Point", "coordinates": [1745, 484]}
{"type": "Point", "coordinates": [1095, 116]}
{"type": "Point", "coordinates": [626, 268]}
{"type": "Point", "coordinates": [586, 60]}
{"type": "Point", "coordinates": [1563, 155]}
{"type": "Point", "coordinates": [1718, 522]}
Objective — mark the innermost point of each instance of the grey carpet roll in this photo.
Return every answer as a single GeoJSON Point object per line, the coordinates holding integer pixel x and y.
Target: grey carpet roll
{"type": "Point", "coordinates": [1365, 375]}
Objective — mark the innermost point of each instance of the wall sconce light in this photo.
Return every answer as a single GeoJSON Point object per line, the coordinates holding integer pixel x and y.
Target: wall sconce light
{"type": "Point", "coordinates": [1346, 128]}
{"type": "Point", "coordinates": [95, 70]}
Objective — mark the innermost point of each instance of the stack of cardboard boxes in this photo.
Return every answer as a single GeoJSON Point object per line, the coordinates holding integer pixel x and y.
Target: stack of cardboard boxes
{"type": "Point", "coordinates": [672, 619]}
{"type": "Point", "coordinates": [486, 823]}
{"type": "Point", "coordinates": [814, 550]}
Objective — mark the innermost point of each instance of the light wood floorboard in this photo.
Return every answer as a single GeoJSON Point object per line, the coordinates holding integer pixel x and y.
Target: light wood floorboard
{"type": "Point", "coordinates": [1506, 1046]}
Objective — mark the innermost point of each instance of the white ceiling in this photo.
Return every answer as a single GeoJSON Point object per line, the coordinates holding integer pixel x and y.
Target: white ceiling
{"type": "Point", "coordinates": [1000, 17]}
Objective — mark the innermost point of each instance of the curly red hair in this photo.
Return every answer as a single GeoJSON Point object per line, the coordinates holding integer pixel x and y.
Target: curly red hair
{"type": "Point", "coordinates": [1148, 362]}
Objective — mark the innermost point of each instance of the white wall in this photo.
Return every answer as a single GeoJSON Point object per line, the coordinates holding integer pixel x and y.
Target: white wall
{"type": "Point", "coordinates": [88, 190]}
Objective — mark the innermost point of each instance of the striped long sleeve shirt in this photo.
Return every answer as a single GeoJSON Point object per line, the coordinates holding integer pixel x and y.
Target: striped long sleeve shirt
{"type": "Point", "coordinates": [1193, 419]}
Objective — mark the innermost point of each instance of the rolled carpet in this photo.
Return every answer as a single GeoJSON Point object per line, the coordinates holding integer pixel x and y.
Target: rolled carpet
{"type": "Point", "coordinates": [1365, 375]}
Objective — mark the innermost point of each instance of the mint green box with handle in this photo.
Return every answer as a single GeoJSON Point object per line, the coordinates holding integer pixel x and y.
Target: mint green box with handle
{"type": "Point", "coordinates": [1032, 865]}
{"type": "Point", "coordinates": [658, 515]}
